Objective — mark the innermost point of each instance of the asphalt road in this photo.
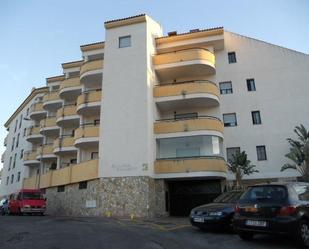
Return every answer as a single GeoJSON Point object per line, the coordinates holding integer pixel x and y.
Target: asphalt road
{"type": "Point", "coordinates": [35, 232]}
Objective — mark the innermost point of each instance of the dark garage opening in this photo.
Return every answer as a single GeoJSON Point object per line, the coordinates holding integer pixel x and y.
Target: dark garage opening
{"type": "Point", "coordinates": [185, 195]}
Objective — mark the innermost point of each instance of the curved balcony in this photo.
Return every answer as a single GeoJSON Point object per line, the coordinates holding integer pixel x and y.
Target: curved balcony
{"type": "Point", "coordinates": [49, 127]}
{"type": "Point", "coordinates": [52, 101]}
{"type": "Point", "coordinates": [89, 103]}
{"type": "Point", "coordinates": [87, 135]}
{"type": "Point", "coordinates": [91, 73]}
{"type": "Point", "coordinates": [30, 158]}
{"type": "Point", "coordinates": [46, 152]}
{"type": "Point", "coordinates": [184, 63]}
{"type": "Point", "coordinates": [67, 116]}
{"type": "Point", "coordinates": [198, 93]}
{"type": "Point", "coordinates": [37, 112]}
{"type": "Point", "coordinates": [214, 167]}
{"type": "Point", "coordinates": [70, 88]}
{"type": "Point", "coordinates": [34, 135]}
{"type": "Point", "coordinates": [64, 145]}
{"type": "Point", "coordinates": [201, 125]}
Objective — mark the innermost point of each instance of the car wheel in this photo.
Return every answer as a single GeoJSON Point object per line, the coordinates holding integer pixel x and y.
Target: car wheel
{"type": "Point", "coordinates": [302, 235]}
{"type": "Point", "coordinates": [246, 235]}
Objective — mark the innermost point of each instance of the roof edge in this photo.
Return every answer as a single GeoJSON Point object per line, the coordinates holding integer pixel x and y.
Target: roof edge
{"type": "Point", "coordinates": [33, 93]}
{"type": "Point", "coordinates": [125, 21]}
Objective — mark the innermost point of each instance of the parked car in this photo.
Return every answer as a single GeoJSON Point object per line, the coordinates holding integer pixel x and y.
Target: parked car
{"type": "Point", "coordinates": [217, 214]}
{"type": "Point", "coordinates": [275, 209]}
{"type": "Point", "coordinates": [28, 201]}
{"type": "Point", "coordinates": [4, 206]}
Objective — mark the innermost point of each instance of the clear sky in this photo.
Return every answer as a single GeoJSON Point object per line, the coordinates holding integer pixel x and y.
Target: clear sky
{"type": "Point", "coordinates": [36, 36]}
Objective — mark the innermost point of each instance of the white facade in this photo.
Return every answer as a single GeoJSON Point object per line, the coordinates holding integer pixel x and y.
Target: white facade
{"type": "Point", "coordinates": [14, 173]}
{"type": "Point", "coordinates": [281, 79]}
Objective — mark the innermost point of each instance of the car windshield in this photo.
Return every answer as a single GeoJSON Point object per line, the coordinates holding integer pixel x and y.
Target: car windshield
{"type": "Point", "coordinates": [271, 193]}
{"type": "Point", "coordinates": [228, 197]}
{"type": "Point", "coordinates": [32, 196]}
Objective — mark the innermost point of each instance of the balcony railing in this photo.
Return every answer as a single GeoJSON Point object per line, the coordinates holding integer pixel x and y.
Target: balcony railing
{"type": "Point", "coordinates": [201, 122]}
{"type": "Point", "coordinates": [48, 122]}
{"type": "Point", "coordinates": [68, 110]}
{"type": "Point", "coordinates": [187, 87]}
{"type": "Point", "coordinates": [33, 130]}
{"type": "Point", "coordinates": [51, 96]}
{"type": "Point", "coordinates": [89, 66]}
{"type": "Point", "coordinates": [89, 97]}
{"type": "Point", "coordinates": [64, 141]}
{"type": "Point", "coordinates": [30, 155]}
{"type": "Point", "coordinates": [87, 130]}
{"type": "Point", "coordinates": [190, 54]}
{"type": "Point", "coordinates": [37, 107]}
{"type": "Point", "coordinates": [184, 63]}
{"type": "Point", "coordinates": [70, 82]}
{"type": "Point", "coordinates": [45, 149]}
{"type": "Point", "coordinates": [214, 165]}
{"type": "Point", "coordinates": [84, 171]}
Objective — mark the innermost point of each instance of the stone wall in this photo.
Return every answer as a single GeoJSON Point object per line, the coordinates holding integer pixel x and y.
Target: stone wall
{"type": "Point", "coordinates": [122, 196]}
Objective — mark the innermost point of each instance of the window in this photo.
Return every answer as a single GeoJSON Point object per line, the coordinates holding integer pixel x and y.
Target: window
{"type": "Point", "coordinates": [60, 189]}
{"type": "Point", "coordinates": [226, 87]}
{"type": "Point", "coordinates": [25, 131]}
{"type": "Point", "coordinates": [125, 41]}
{"type": "Point", "coordinates": [232, 57]}
{"type": "Point", "coordinates": [185, 115]}
{"type": "Point", "coordinates": [21, 154]}
{"type": "Point", "coordinates": [13, 143]}
{"type": "Point", "coordinates": [14, 162]}
{"type": "Point", "coordinates": [94, 155]}
{"type": "Point", "coordinates": [27, 112]}
{"type": "Point", "coordinates": [16, 123]}
{"type": "Point", "coordinates": [21, 121]}
{"type": "Point", "coordinates": [230, 152]}
{"type": "Point", "coordinates": [230, 120]}
{"type": "Point", "coordinates": [7, 180]}
{"type": "Point", "coordinates": [12, 179]}
{"type": "Point", "coordinates": [10, 163]}
{"type": "Point", "coordinates": [73, 74]}
{"type": "Point", "coordinates": [18, 176]}
{"type": "Point", "coordinates": [55, 88]}
{"type": "Point", "coordinates": [17, 140]}
{"type": "Point", "coordinates": [251, 85]}
{"type": "Point", "coordinates": [73, 161]}
{"type": "Point", "coordinates": [256, 117]}
{"type": "Point", "coordinates": [94, 57]}
{"type": "Point", "coordinates": [82, 185]}
{"type": "Point", "coordinates": [96, 121]}
{"type": "Point", "coordinates": [261, 153]}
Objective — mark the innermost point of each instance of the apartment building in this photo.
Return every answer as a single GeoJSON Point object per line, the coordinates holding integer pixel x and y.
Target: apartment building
{"type": "Point", "coordinates": [144, 124]}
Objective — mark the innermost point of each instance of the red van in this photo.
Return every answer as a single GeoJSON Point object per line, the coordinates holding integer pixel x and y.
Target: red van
{"type": "Point", "coordinates": [27, 201]}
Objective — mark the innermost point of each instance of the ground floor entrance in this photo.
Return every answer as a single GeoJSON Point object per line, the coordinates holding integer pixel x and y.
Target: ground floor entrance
{"type": "Point", "coordinates": [184, 195]}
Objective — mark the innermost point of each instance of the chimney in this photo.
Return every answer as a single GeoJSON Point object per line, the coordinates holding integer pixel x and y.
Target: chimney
{"type": "Point", "coordinates": [172, 33]}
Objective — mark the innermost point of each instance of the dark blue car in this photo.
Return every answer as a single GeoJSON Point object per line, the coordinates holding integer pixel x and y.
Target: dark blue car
{"type": "Point", "coordinates": [218, 214]}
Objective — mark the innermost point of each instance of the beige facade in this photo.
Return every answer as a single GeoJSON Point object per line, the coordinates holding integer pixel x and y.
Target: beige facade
{"type": "Point", "coordinates": [144, 123]}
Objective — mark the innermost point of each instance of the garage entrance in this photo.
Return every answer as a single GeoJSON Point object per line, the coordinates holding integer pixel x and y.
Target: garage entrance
{"type": "Point", "coordinates": [185, 195]}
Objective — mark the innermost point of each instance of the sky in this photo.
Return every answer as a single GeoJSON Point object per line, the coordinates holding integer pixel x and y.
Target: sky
{"type": "Point", "coordinates": [37, 36]}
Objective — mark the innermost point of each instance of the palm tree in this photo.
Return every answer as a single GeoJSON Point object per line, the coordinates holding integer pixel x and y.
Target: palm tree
{"type": "Point", "coordinates": [240, 166]}
{"type": "Point", "coordinates": [299, 152]}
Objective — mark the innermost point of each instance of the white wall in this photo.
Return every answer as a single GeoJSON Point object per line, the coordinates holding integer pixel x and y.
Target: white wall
{"type": "Point", "coordinates": [281, 77]}
{"type": "Point", "coordinates": [126, 135]}
{"type": "Point", "coordinates": [23, 145]}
